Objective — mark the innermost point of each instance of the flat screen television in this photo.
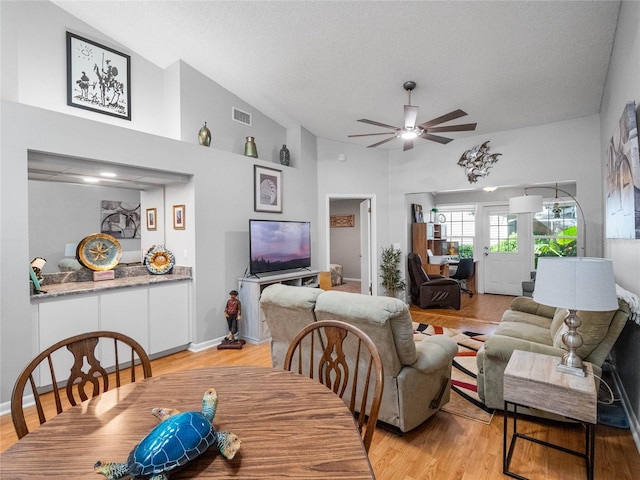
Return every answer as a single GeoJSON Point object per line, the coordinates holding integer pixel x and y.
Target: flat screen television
{"type": "Point", "coordinates": [276, 245]}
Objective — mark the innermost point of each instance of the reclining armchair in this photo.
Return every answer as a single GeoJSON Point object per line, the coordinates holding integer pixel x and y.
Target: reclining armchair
{"type": "Point", "coordinates": [417, 372]}
{"type": "Point", "coordinates": [434, 291]}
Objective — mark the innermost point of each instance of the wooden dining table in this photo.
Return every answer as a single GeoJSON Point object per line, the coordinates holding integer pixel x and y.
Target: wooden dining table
{"type": "Point", "coordinates": [290, 427]}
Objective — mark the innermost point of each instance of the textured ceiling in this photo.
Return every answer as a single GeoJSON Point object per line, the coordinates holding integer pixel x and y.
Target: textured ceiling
{"type": "Point", "coordinates": [323, 65]}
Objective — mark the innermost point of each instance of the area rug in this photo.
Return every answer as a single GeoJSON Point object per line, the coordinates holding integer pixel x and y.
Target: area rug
{"type": "Point", "coordinates": [464, 399]}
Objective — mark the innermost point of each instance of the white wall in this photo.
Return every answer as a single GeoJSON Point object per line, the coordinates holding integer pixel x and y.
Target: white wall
{"type": "Point", "coordinates": [364, 172]}
{"type": "Point", "coordinates": [622, 86]}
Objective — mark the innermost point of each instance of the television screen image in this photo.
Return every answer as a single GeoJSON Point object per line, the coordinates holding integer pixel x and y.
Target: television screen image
{"type": "Point", "coordinates": [278, 245]}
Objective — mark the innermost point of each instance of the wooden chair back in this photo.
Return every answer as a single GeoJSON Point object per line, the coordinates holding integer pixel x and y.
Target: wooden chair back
{"type": "Point", "coordinates": [320, 351]}
{"type": "Point", "coordinates": [86, 373]}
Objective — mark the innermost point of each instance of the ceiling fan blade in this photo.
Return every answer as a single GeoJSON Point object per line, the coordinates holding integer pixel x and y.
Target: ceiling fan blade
{"type": "Point", "coordinates": [372, 122]}
{"type": "Point", "coordinates": [444, 118]}
{"type": "Point", "coordinates": [408, 144]}
{"type": "Point", "coordinates": [383, 141]}
{"type": "Point", "coordinates": [410, 116]}
{"type": "Point", "coordinates": [454, 128]}
{"type": "Point", "coordinates": [369, 134]}
{"type": "Point", "coordinates": [436, 138]}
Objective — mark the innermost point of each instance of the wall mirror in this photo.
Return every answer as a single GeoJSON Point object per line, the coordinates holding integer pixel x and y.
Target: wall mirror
{"type": "Point", "coordinates": [66, 197]}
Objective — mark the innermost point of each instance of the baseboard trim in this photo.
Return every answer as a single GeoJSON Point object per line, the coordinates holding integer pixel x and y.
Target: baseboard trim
{"type": "Point", "coordinates": [201, 347]}
{"type": "Point", "coordinates": [628, 410]}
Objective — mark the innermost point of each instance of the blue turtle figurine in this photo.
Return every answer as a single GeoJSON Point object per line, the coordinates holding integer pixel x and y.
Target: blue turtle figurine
{"type": "Point", "coordinates": [179, 438]}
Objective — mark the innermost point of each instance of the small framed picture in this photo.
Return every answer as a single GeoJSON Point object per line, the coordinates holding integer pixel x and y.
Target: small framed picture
{"type": "Point", "coordinates": [152, 214]}
{"type": "Point", "coordinates": [267, 183]}
{"type": "Point", "coordinates": [98, 78]}
{"type": "Point", "coordinates": [178, 217]}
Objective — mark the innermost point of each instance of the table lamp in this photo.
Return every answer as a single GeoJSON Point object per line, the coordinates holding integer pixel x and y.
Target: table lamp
{"type": "Point", "coordinates": [575, 283]}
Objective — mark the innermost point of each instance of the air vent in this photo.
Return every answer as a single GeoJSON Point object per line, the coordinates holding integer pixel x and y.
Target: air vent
{"type": "Point", "coordinates": [239, 116]}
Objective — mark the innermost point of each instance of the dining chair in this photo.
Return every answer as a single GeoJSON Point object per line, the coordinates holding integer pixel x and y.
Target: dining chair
{"type": "Point", "coordinates": [86, 373]}
{"type": "Point", "coordinates": [321, 350]}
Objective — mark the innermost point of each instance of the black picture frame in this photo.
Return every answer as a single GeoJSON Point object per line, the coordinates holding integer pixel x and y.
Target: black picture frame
{"type": "Point", "coordinates": [267, 186]}
{"type": "Point", "coordinates": [98, 77]}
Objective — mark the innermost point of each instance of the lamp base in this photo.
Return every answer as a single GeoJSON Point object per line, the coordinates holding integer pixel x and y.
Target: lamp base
{"type": "Point", "coordinates": [578, 371]}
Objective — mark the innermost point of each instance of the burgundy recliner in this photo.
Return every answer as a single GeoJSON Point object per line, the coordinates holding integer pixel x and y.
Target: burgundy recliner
{"type": "Point", "coordinates": [434, 291]}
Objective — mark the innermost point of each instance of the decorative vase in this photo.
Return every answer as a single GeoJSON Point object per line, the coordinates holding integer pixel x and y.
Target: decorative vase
{"type": "Point", "coordinates": [250, 148]}
{"type": "Point", "coordinates": [285, 156]}
{"type": "Point", "coordinates": [204, 135]}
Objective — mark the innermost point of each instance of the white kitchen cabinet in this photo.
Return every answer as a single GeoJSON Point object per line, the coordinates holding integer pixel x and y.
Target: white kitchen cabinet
{"type": "Point", "coordinates": [168, 317]}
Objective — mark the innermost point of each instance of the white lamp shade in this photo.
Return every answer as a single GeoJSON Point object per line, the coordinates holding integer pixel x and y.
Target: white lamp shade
{"type": "Point", "coordinates": [525, 204]}
{"type": "Point", "coordinates": [576, 283]}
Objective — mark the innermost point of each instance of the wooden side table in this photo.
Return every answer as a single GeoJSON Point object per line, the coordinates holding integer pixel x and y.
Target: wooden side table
{"type": "Point", "coordinates": [532, 380]}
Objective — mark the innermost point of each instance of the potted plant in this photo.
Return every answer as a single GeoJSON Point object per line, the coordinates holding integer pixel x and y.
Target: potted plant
{"type": "Point", "coordinates": [390, 271]}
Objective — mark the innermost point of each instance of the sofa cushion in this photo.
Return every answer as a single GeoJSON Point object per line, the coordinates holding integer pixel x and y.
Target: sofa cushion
{"type": "Point", "coordinates": [516, 316]}
{"type": "Point", "coordinates": [528, 305]}
{"type": "Point", "coordinates": [594, 328]}
{"type": "Point", "coordinates": [525, 331]}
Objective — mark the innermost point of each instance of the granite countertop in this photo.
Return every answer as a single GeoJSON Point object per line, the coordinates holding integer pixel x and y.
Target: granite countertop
{"type": "Point", "coordinates": [74, 283]}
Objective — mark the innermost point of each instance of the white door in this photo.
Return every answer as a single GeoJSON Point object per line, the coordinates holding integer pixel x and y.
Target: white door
{"type": "Point", "coordinates": [365, 247]}
{"type": "Point", "coordinates": [506, 250]}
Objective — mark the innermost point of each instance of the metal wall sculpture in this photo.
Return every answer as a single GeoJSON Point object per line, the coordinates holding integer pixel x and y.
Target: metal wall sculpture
{"type": "Point", "coordinates": [477, 162]}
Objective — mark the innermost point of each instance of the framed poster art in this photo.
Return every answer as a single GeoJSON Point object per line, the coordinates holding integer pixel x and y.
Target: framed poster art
{"type": "Point", "coordinates": [152, 215]}
{"type": "Point", "coordinates": [623, 178]}
{"type": "Point", "coordinates": [178, 217]}
{"type": "Point", "coordinates": [267, 183]}
{"type": "Point", "coordinates": [98, 77]}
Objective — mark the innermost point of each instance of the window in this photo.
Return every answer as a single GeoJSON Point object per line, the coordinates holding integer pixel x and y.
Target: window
{"type": "Point", "coordinates": [461, 228]}
{"type": "Point", "coordinates": [555, 230]}
{"type": "Point", "coordinates": [503, 233]}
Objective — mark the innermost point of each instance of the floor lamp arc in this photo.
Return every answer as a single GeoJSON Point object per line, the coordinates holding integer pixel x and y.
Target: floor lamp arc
{"type": "Point", "coordinates": [533, 203]}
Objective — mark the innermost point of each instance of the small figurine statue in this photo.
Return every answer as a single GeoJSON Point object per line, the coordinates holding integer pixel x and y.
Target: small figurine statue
{"type": "Point", "coordinates": [233, 313]}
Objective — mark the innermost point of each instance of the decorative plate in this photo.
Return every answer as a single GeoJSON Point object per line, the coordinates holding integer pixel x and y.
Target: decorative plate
{"type": "Point", "coordinates": [99, 252]}
{"type": "Point", "coordinates": [159, 260]}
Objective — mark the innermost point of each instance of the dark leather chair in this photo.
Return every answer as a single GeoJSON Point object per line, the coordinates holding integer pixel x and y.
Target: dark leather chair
{"type": "Point", "coordinates": [464, 273]}
{"type": "Point", "coordinates": [434, 291]}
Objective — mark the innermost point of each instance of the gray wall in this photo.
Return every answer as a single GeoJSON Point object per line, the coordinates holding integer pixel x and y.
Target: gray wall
{"type": "Point", "coordinates": [622, 86]}
{"type": "Point", "coordinates": [62, 213]}
{"type": "Point", "coordinates": [219, 198]}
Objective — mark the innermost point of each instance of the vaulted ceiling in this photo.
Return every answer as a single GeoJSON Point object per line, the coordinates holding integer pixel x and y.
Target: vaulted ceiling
{"type": "Point", "coordinates": [325, 64]}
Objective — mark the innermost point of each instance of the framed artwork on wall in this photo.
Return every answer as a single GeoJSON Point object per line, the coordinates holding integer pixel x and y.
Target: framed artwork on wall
{"type": "Point", "coordinates": [341, 221]}
{"type": "Point", "coordinates": [418, 216]}
{"type": "Point", "coordinates": [152, 214]}
{"type": "Point", "coordinates": [98, 78]}
{"type": "Point", "coordinates": [120, 219]}
{"type": "Point", "coordinates": [267, 183]}
{"type": "Point", "coordinates": [623, 178]}
{"type": "Point", "coordinates": [178, 217]}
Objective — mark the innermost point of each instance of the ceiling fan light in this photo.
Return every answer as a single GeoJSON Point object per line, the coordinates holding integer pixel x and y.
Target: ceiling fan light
{"type": "Point", "coordinates": [409, 134]}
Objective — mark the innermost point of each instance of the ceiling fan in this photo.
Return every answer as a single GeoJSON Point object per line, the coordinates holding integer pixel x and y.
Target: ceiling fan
{"type": "Point", "coordinates": [425, 130]}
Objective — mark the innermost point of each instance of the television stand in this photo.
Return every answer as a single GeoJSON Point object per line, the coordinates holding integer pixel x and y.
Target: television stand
{"type": "Point", "coordinates": [252, 327]}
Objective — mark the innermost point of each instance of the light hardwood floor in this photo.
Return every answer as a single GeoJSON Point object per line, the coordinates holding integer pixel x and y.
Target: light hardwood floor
{"type": "Point", "coordinates": [447, 447]}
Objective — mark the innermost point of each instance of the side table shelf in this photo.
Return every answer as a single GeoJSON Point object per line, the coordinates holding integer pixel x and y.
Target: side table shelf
{"type": "Point", "coordinates": [252, 328]}
{"type": "Point", "coordinates": [532, 380]}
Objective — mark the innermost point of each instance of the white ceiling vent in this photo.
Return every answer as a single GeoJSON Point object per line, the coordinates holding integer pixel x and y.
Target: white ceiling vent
{"type": "Point", "coordinates": [239, 116]}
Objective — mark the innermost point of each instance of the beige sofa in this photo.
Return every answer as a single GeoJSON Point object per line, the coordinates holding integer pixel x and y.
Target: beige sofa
{"type": "Point", "coordinates": [417, 374]}
{"type": "Point", "coordinates": [533, 327]}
